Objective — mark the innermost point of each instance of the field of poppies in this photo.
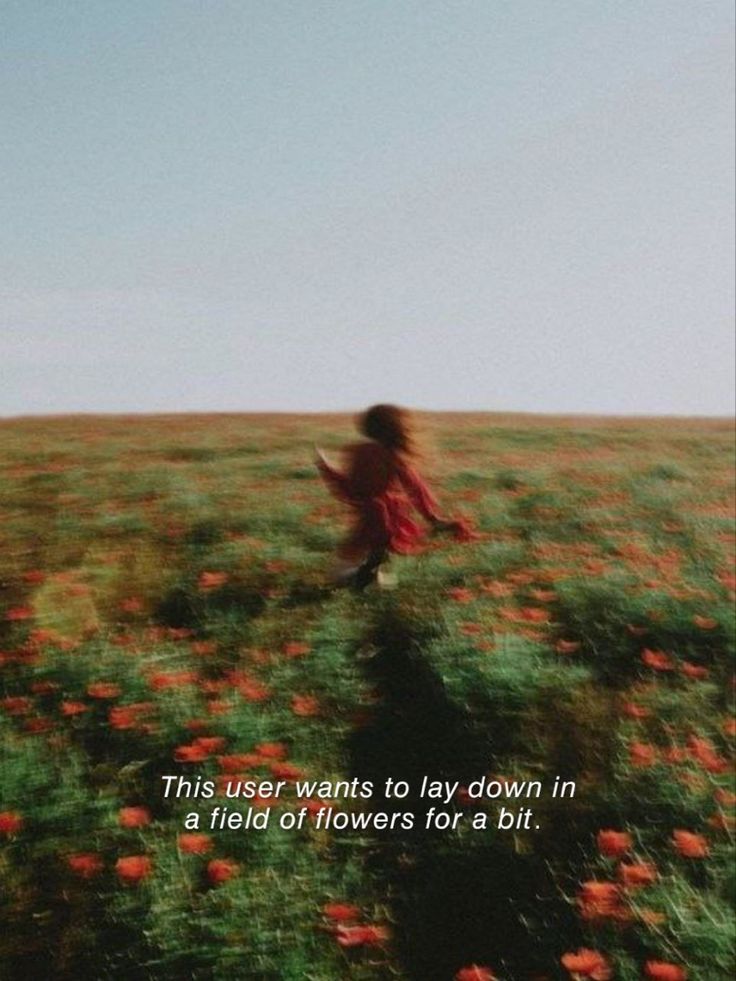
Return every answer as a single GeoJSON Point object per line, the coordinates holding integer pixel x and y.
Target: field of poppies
{"type": "Point", "coordinates": [165, 609]}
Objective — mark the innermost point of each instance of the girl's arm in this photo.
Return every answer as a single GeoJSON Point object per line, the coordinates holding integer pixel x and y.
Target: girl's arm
{"type": "Point", "coordinates": [420, 495]}
{"type": "Point", "coordinates": [336, 481]}
{"type": "Point", "coordinates": [425, 502]}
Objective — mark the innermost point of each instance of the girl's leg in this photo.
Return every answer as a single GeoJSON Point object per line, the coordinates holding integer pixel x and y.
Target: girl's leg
{"type": "Point", "coordinates": [368, 571]}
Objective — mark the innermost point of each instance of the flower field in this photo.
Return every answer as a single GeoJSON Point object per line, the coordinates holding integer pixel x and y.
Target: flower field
{"type": "Point", "coordinates": [165, 610]}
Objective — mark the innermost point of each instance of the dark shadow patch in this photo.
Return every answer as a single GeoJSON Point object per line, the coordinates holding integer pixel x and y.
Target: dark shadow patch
{"type": "Point", "coordinates": [454, 900]}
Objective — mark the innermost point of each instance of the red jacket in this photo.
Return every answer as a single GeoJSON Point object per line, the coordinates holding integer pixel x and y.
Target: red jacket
{"type": "Point", "coordinates": [380, 487]}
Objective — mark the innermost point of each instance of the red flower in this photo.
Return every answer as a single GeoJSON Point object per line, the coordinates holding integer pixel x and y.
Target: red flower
{"type": "Point", "coordinates": [296, 648]}
{"type": "Point", "coordinates": [70, 709]}
{"type": "Point", "coordinates": [194, 843]}
{"type": "Point", "coordinates": [637, 874]}
{"type": "Point", "coordinates": [203, 648]}
{"type": "Point", "coordinates": [475, 973]}
{"type": "Point", "coordinates": [10, 822]}
{"type": "Point", "coordinates": [128, 716]}
{"type": "Point", "coordinates": [133, 868]}
{"type": "Point", "coordinates": [286, 771]}
{"type": "Point", "coordinates": [690, 845]}
{"type": "Point", "coordinates": [235, 762]}
{"type": "Point", "coordinates": [663, 971]}
{"type": "Point", "coordinates": [587, 964]}
{"type": "Point", "coordinates": [705, 623]}
{"type": "Point", "coordinates": [271, 751]}
{"type": "Point", "coordinates": [725, 798]}
{"type": "Point", "coordinates": [191, 753]}
{"type": "Point", "coordinates": [103, 689]}
{"type": "Point", "coordinates": [361, 936]}
{"type": "Point", "coordinates": [221, 870]}
{"type": "Point", "coordinates": [211, 744]}
{"type": "Point", "coordinates": [134, 817]}
{"type": "Point", "coordinates": [85, 864]}
{"type": "Point", "coordinates": [341, 912]}
{"type": "Point", "coordinates": [16, 613]}
{"type": "Point", "coordinates": [600, 900]}
{"type": "Point", "coordinates": [461, 595]}
{"type": "Point", "coordinates": [634, 711]}
{"type": "Point", "coordinates": [614, 844]}
{"type": "Point", "coordinates": [657, 660]}
{"type": "Point", "coordinates": [642, 754]}
{"type": "Point", "coordinates": [211, 580]}
{"type": "Point", "coordinates": [567, 646]}
{"type": "Point", "coordinates": [306, 706]}
{"type": "Point", "coordinates": [695, 671]}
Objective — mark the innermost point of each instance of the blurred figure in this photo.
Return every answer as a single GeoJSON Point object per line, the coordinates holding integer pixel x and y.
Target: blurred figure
{"type": "Point", "coordinates": [380, 485]}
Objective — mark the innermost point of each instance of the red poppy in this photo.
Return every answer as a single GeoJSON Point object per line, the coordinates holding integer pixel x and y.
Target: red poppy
{"type": "Point", "coordinates": [131, 604]}
{"type": "Point", "coordinates": [461, 595]}
{"type": "Point", "coordinates": [705, 623]}
{"type": "Point", "coordinates": [600, 900]}
{"type": "Point", "coordinates": [85, 864]}
{"type": "Point", "coordinates": [695, 671]}
{"type": "Point", "coordinates": [587, 963]}
{"type": "Point", "coordinates": [235, 762]}
{"type": "Point", "coordinates": [10, 822]}
{"type": "Point", "coordinates": [286, 771]}
{"type": "Point", "coordinates": [70, 709]}
{"type": "Point", "coordinates": [211, 580]}
{"type": "Point", "coordinates": [637, 874]}
{"type": "Point", "coordinates": [103, 689]}
{"type": "Point", "coordinates": [614, 844]}
{"type": "Point", "coordinates": [314, 805]}
{"type": "Point", "coordinates": [17, 704]}
{"type": "Point", "coordinates": [474, 972]}
{"type": "Point", "coordinates": [130, 716]}
{"type": "Point", "coordinates": [17, 613]}
{"type": "Point", "coordinates": [642, 754]}
{"type": "Point", "coordinates": [341, 912]}
{"type": "Point", "coordinates": [171, 679]}
{"type": "Point", "coordinates": [471, 629]}
{"type": "Point", "coordinates": [253, 691]}
{"type": "Point", "coordinates": [306, 706]}
{"type": "Point", "coordinates": [567, 646]}
{"type": "Point", "coordinates": [658, 660]}
{"type": "Point", "coordinates": [633, 711]}
{"type": "Point", "coordinates": [210, 743]}
{"type": "Point", "coordinates": [690, 845]}
{"type": "Point", "coordinates": [725, 798]}
{"type": "Point", "coordinates": [134, 817]}
{"type": "Point", "coordinates": [133, 868]}
{"type": "Point", "coordinates": [361, 936]}
{"type": "Point", "coordinates": [193, 843]}
{"type": "Point", "coordinates": [271, 751]}
{"type": "Point", "coordinates": [664, 971]}
{"type": "Point", "coordinates": [191, 753]}
{"type": "Point", "coordinates": [296, 648]}
{"type": "Point", "coordinates": [221, 870]}
{"type": "Point", "coordinates": [203, 648]}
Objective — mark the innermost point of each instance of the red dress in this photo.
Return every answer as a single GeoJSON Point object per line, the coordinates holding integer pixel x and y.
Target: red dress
{"type": "Point", "coordinates": [380, 487]}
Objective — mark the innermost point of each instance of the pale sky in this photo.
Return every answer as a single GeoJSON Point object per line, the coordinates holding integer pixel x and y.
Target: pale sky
{"type": "Point", "coordinates": [308, 205]}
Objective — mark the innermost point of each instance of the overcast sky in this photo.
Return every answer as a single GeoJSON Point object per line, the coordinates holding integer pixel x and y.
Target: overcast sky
{"type": "Point", "coordinates": [262, 204]}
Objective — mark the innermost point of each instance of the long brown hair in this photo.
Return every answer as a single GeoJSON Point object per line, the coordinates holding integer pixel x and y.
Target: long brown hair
{"type": "Point", "coordinates": [391, 426]}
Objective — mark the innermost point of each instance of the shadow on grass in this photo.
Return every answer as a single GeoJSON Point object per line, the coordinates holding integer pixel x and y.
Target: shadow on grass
{"type": "Point", "coordinates": [455, 899]}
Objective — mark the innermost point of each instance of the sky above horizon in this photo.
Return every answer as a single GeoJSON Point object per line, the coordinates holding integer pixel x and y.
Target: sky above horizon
{"type": "Point", "coordinates": [508, 205]}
